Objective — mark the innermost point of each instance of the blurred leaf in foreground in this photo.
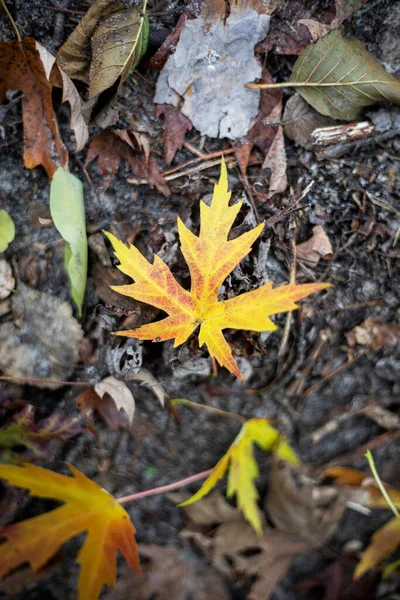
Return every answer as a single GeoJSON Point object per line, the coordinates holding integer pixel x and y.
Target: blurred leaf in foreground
{"type": "Point", "coordinates": [243, 468]}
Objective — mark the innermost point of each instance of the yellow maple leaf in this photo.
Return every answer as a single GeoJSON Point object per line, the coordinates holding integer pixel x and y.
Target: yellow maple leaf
{"type": "Point", "coordinates": [243, 468]}
{"type": "Point", "coordinates": [88, 508]}
{"type": "Point", "coordinates": [210, 257]}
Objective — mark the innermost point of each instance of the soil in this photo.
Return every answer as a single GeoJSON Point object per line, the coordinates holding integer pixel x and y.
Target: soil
{"type": "Point", "coordinates": [300, 389]}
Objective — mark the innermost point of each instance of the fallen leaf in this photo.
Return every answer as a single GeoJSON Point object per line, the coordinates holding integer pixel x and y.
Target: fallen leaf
{"type": "Point", "coordinates": [88, 508]}
{"type": "Point", "coordinates": [210, 257]}
{"type": "Point", "coordinates": [106, 45]}
{"type": "Point", "coordinates": [24, 432]}
{"type": "Point", "coordinates": [317, 247]}
{"type": "Point", "coordinates": [59, 78]}
{"type": "Point", "coordinates": [339, 78]}
{"type": "Point", "coordinates": [301, 120]}
{"type": "Point", "coordinates": [7, 281]}
{"type": "Point", "coordinates": [170, 572]}
{"type": "Point", "coordinates": [243, 468]}
{"type": "Point", "coordinates": [7, 230]}
{"type": "Point", "coordinates": [43, 341]}
{"type": "Point", "coordinates": [104, 278]}
{"type": "Point", "coordinates": [146, 377]}
{"type": "Point", "coordinates": [209, 510]}
{"type": "Point", "coordinates": [345, 9]}
{"type": "Point", "coordinates": [110, 148]}
{"type": "Point", "coordinates": [373, 334]}
{"type": "Point", "coordinates": [175, 127]}
{"type": "Point", "coordinates": [119, 392]}
{"type": "Point", "coordinates": [299, 505]}
{"type": "Point", "coordinates": [22, 69]}
{"type": "Point", "coordinates": [67, 209]}
{"type": "Point", "coordinates": [261, 134]}
{"type": "Point", "coordinates": [88, 401]}
{"type": "Point", "coordinates": [213, 60]}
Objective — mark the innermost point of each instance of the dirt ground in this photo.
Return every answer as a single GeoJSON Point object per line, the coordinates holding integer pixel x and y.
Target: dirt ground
{"type": "Point", "coordinates": [304, 390]}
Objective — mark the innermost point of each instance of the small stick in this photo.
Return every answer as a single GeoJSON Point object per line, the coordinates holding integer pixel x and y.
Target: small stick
{"type": "Point", "coordinates": [219, 411]}
{"type": "Point", "coordinates": [12, 21]}
{"type": "Point", "coordinates": [165, 488]}
{"type": "Point", "coordinates": [28, 380]}
{"type": "Point", "coordinates": [292, 279]}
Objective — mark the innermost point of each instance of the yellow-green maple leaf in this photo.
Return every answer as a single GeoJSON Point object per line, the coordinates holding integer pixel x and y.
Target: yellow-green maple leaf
{"type": "Point", "coordinates": [243, 468]}
{"type": "Point", "coordinates": [211, 257]}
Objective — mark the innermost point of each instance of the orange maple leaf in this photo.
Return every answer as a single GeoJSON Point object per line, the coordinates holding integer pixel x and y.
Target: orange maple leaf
{"type": "Point", "coordinates": [88, 508]}
{"type": "Point", "coordinates": [210, 257]}
{"type": "Point", "coordinates": [21, 68]}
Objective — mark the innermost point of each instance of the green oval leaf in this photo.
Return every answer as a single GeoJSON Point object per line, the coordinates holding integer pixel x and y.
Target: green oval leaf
{"type": "Point", "coordinates": [7, 230]}
{"type": "Point", "coordinates": [338, 77]}
{"type": "Point", "coordinates": [68, 213]}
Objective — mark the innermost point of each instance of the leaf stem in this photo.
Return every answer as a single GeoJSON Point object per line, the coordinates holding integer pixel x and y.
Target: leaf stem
{"type": "Point", "coordinates": [264, 86]}
{"type": "Point", "coordinates": [165, 488]}
{"type": "Point", "coordinates": [12, 21]}
{"type": "Point", "coordinates": [371, 462]}
{"type": "Point", "coordinates": [223, 413]}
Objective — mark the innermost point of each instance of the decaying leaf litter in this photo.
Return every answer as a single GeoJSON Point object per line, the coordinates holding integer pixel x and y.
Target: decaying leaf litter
{"type": "Point", "coordinates": [353, 199]}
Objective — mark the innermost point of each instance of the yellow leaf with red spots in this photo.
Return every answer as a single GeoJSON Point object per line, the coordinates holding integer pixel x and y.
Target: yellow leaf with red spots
{"type": "Point", "coordinates": [87, 508]}
{"type": "Point", "coordinates": [243, 468]}
{"type": "Point", "coordinates": [211, 257]}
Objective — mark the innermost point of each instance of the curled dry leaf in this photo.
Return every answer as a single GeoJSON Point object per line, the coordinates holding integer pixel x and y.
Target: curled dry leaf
{"type": "Point", "coordinates": [43, 341]}
{"type": "Point", "coordinates": [211, 257]}
{"type": "Point", "coordinates": [297, 504]}
{"type": "Point", "coordinates": [317, 247]}
{"type": "Point", "coordinates": [7, 281]}
{"type": "Point", "coordinates": [21, 68]}
{"type": "Point", "coordinates": [373, 334]}
{"type": "Point", "coordinates": [144, 376]}
{"type": "Point", "coordinates": [59, 78]}
{"type": "Point", "coordinates": [106, 45]}
{"type": "Point", "coordinates": [119, 392]}
{"type": "Point", "coordinates": [213, 61]}
{"type": "Point", "coordinates": [301, 120]}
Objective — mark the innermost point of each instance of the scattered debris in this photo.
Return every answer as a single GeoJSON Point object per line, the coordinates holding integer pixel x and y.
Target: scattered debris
{"type": "Point", "coordinates": [373, 334]}
{"type": "Point", "coordinates": [43, 340]}
{"type": "Point", "coordinates": [317, 247]}
{"type": "Point", "coordinates": [301, 120]}
{"type": "Point", "coordinates": [7, 281]}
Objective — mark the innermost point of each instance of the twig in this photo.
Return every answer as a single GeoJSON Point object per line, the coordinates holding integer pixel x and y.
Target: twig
{"type": "Point", "coordinates": [219, 411]}
{"type": "Point", "coordinates": [12, 21]}
{"type": "Point", "coordinates": [165, 488]}
{"type": "Point", "coordinates": [292, 279]}
{"type": "Point", "coordinates": [358, 453]}
{"type": "Point", "coordinates": [28, 380]}
{"type": "Point", "coordinates": [58, 9]}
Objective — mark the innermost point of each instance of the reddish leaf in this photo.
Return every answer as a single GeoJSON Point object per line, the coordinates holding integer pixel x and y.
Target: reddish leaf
{"type": "Point", "coordinates": [109, 148]}
{"type": "Point", "coordinates": [175, 127]}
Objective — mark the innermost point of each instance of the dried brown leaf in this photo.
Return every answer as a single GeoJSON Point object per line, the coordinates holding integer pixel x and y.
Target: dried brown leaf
{"type": "Point", "coordinates": [21, 68]}
{"type": "Point", "coordinates": [373, 334]}
{"type": "Point", "coordinates": [120, 394]}
{"type": "Point", "coordinates": [301, 120]}
{"type": "Point", "coordinates": [317, 247]}
{"type": "Point", "coordinates": [175, 127]}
